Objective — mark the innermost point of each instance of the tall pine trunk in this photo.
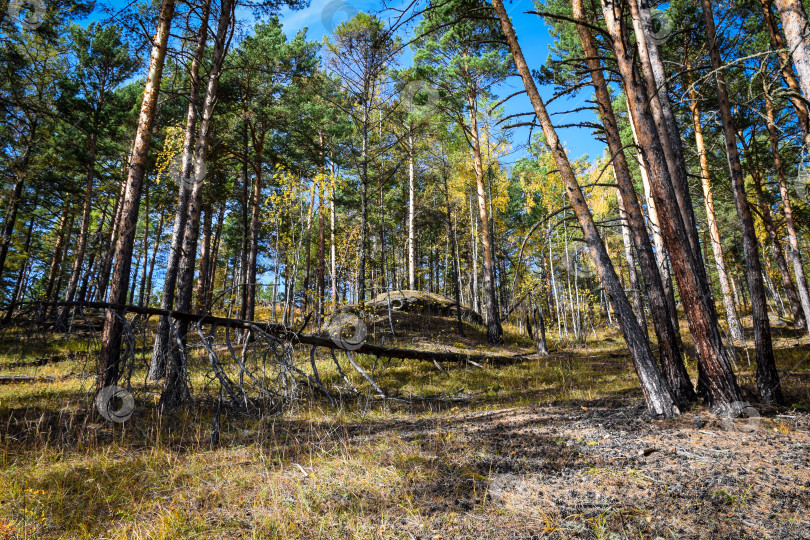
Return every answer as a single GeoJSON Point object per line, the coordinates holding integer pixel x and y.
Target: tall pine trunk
{"type": "Point", "coordinates": [793, 240]}
{"type": "Point", "coordinates": [109, 361]}
{"type": "Point", "coordinates": [767, 377]}
{"type": "Point", "coordinates": [84, 232]}
{"type": "Point", "coordinates": [160, 350]}
{"type": "Point", "coordinates": [494, 330]}
{"type": "Point", "coordinates": [716, 376]}
{"type": "Point", "coordinates": [175, 389]}
{"type": "Point", "coordinates": [411, 214]}
{"type": "Point", "coordinates": [652, 70]}
{"type": "Point", "coordinates": [794, 302]}
{"type": "Point", "coordinates": [664, 321]}
{"type": "Point", "coordinates": [795, 27]}
{"type": "Point", "coordinates": [786, 68]}
{"type": "Point", "coordinates": [732, 318]}
{"type": "Point", "coordinates": [205, 261]}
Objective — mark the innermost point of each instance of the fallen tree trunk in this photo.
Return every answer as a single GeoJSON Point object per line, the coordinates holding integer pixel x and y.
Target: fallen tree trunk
{"type": "Point", "coordinates": [283, 332]}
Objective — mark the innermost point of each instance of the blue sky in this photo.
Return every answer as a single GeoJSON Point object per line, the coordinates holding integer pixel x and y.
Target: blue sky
{"type": "Point", "coordinates": [323, 15]}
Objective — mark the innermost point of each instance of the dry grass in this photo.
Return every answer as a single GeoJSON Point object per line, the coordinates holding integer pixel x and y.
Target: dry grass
{"type": "Point", "coordinates": [548, 447]}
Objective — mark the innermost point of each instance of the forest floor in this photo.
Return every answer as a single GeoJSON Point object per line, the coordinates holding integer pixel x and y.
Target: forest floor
{"type": "Point", "coordinates": [554, 447]}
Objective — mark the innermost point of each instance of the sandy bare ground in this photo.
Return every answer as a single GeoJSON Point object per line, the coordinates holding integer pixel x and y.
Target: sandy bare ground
{"type": "Point", "coordinates": [604, 471]}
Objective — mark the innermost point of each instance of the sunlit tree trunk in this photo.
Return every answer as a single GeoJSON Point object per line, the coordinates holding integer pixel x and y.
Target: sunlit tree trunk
{"type": "Point", "coordinates": [144, 249]}
{"type": "Point", "coordinates": [632, 275]}
{"type": "Point", "coordinates": [796, 309]}
{"type": "Point", "coordinates": [654, 77]}
{"type": "Point", "coordinates": [109, 360]}
{"type": "Point", "coordinates": [795, 26]}
{"type": "Point", "coordinates": [332, 245]}
{"type": "Point", "coordinates": [361, 266]}
{"type": "Point", "coordinates": [734, 326]}
{"type": "Point", "coordinates": [411, 214]}
{"type": "Point", "coordinates": [664, 317]}
{"type": "Point", "coordinates": [494, 331]}
{"type": "Point", "coordinates": [253, 243]}
{"type": "Point", "coordinates": [64, 231]}
{"type": "Point", "coordinates": [155, 250]}
{"type": "Point", "coordinates": [205, 261]}
{"type": "Point", "coordinates": [786, 68]}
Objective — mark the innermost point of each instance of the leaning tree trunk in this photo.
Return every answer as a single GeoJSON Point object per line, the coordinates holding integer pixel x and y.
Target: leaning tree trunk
{"type": "Point", "coordinates": [654, 77]}
{"type": "Point", "coordinates": [656, 391]}
{"type": "Point", "coordinates": [794, 302]}
{"type": "Point", "coordinates": [18, 291]}
{"type": "Point", "coordinates": [108, 366]}
{"type": "Point", "coordinates": [734, 326]}
{"type": "Point", "coordinates": [175, 389]}
{"type": "Point", "coordinates": [716, 376]}
{"type": "Point", "coordinates": [664, 319]}
{"type": "Point", "coordinates": [632, 275]}
{"type": "Point", "coordinates": [157, 367]}
{"type": "Point", "coordinates": [15, 199]}
{"type": "Point", "coordinates": [767, 377]}
{"type": "Point", "coordinates": [793, 240]}
{"type": "Point", "coordinates": [10, 220]}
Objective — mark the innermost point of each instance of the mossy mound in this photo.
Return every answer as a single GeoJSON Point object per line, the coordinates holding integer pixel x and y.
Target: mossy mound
{"type": "Point", "coordinates": [422, 303]}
